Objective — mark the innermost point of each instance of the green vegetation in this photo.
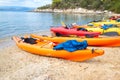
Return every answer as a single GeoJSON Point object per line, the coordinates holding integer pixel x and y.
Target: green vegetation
{"type": "Point", "coordinates": [111, 5]}
{"type": "Point", "coordinates": [45, 7]}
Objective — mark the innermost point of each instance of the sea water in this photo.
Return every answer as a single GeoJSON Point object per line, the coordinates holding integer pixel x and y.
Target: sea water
{"type": "Point", "coordinates": [15, 23]}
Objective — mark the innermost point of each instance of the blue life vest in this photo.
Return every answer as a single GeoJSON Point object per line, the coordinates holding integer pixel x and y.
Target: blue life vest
{"type": "Point", "coordinates": [71, 45]}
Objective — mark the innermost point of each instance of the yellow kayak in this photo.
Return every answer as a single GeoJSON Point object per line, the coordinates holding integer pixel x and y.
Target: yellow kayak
{"type": "Point", "coordinates": [102, 31]}
{"type": "Point", "coordinates": [99, 24]}
{"type": "Point", "coordinates": [44, 48]}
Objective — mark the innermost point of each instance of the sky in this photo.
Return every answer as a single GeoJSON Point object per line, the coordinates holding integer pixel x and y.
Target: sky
{"type": "Point", "coordinates": [26, 3]}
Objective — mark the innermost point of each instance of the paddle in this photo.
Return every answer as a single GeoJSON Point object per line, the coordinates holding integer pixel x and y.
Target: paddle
{"type": "Point", "coordinates": [63, 24]}
{"type": "Point", "coordinates": [66, 26]}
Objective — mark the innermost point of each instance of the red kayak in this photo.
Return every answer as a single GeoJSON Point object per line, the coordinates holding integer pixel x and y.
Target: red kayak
{"type": "Point", "coordinates": [114, 17]}
{"type": "Point", "coordinates": [61, 31]}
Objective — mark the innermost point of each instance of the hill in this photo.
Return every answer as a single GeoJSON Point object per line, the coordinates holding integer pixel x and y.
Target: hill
{"type": "Point", "coordinates": [110, 5]}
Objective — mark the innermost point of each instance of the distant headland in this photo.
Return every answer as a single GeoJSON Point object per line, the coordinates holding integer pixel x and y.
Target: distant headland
{"type": "Point", "coordinates": [15, 8]}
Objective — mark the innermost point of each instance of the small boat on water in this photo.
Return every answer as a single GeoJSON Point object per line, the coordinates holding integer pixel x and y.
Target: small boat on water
{"type": "Point", "coordinates": [45, 48]}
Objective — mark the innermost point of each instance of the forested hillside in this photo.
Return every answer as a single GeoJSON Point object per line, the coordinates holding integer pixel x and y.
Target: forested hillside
{"type": "Point", "coordinates": [111, 5]}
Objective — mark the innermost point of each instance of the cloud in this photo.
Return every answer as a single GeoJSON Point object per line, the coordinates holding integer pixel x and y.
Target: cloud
{"type": "Point", "coordinates": [49, 1]}
{"type": "Point", "coordinates": [28, 3]}
{"type": "Point", "coordinates": [37, 0]}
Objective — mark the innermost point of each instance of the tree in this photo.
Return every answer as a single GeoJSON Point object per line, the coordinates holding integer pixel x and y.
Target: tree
{"type": "Point", "coordinates": [56, 3]}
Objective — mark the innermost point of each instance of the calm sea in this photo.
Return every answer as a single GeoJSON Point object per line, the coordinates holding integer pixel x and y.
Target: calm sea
{"type": "Point", "coordinates": [15, 23]}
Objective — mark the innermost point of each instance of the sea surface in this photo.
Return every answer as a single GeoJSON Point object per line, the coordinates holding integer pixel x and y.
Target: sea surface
{"type": "Point", "coordinates": [16, 23]}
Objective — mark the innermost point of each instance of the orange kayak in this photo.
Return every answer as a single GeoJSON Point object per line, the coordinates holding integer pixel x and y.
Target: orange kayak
{"type": "Point", "coordinates": [100, 41]}
{"type": "Point", "coordinates": [40, 49]}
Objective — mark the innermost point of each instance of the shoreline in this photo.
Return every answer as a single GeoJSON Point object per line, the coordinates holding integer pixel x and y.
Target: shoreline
{"type": "Point", "coordinates": [77, 11]}
{"type": "Point", "coordinates": [7, 41]}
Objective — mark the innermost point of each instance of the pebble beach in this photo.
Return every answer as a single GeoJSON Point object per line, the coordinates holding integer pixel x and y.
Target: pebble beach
{"type": "Point", "coordinates": [16, 64]}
